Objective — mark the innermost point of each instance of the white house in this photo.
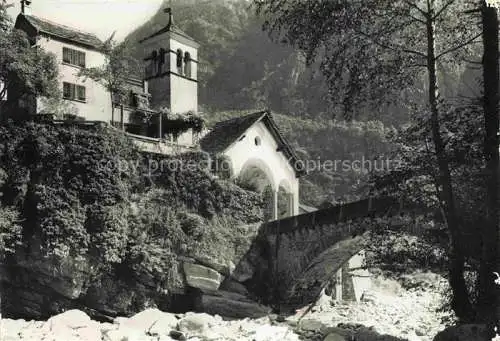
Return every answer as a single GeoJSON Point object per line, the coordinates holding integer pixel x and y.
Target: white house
{"type": "Point", "coordinates": [256, 153]}
{"type": "Point", "coordinates": [74, 50]}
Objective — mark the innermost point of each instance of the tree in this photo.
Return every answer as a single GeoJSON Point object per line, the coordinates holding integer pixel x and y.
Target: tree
{"type": "Point", "coordinates": [113, 74]}
{"type": "Point", "coordinates": [370, 51]}
{"type": "Point", "coordinates": [25, 70]}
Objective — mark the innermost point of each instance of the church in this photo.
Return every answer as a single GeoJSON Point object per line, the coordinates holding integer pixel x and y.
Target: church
{"type": "Point", "coordinates": [253, 146]}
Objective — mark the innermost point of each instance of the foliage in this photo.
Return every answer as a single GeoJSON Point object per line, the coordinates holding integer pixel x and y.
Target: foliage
{"type": "Point", "coordinates": [399, 252]}
{"type": "Point", "coordinates": [369, 50]}
{"type": "Point", "coordinates": [58, 107]}
{"type": "Point", "coordinates": [10, 231]}
{"type": "Point", "coordinates": [25, 69]}
{"type": "Point", "coordinates": [187, 180]}
{"type": "Point", "coordinates": [55, 176]}
{"type": "Point", "coordinates": [177, 123]}
{"type": "Point", "coordinates": [86, 196]}
{"type": "Point", "coordinates": [113, 74]}
{"type": "Point", "coordinates": [60, 223]}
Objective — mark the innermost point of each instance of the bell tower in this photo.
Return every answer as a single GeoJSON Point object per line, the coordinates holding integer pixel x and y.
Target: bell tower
{"type": "Point", "coordinates": [172, 68]}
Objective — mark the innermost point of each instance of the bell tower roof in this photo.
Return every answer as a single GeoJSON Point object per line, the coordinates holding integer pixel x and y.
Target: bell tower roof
{"type": "Point", "coordinates": [173, 31]}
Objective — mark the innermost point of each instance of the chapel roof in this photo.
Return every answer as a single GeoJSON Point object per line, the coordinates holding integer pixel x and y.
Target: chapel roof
{"type": "Point", "coordinates": [225, 133]}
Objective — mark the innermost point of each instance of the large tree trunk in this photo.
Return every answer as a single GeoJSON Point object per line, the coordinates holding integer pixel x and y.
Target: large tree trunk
{"type": "Point", "coordinates": [488, 291]}
{"type": "Point", "coordinates": [460, 297]}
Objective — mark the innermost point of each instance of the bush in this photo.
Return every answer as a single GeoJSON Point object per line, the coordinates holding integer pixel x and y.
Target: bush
{"type": "Point", "coordinates": [398, 253]}
{"type": "Point", "coordinates": [10, 231]}
{"type": "Point", "coordinates": [65, 196]}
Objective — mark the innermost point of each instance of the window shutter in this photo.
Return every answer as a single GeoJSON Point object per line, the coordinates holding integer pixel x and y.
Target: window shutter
{"type": "Point", "coordinates": [179, 58]}
{"type": "Point", "coordinates": [81, 59]}
{"type": "Point", "coordinates": [66, 90]}
{"type": "Point", "coordinates": [187, 64]}
{"type": "Point", "coordinates": [66, 57]}
{"type": "Point", "coordinates": [81, 93]}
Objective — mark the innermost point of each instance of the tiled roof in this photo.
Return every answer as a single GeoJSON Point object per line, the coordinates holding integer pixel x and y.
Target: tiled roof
{"type": "Point", "coordinates": [224, 133]}
{"type": "Point", "coordinates": [61, 31]}
{"type": "Point", "coordinates": [227, 132]}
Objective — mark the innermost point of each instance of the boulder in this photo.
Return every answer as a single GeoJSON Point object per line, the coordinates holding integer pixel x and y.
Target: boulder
{"type": "Point", "coordinates": [336, 337]}
{"type": "Point", "coordinates": [466, 332]}
{"type": "Point", "coordinates": [201, 277]}
{"type": "Point", "coordinates": [150, 321]}
{"type": "Point", "coordinates": [336, 334]}
{"type": "Point", "coordinates": [70, 319]}
{"type": "Point", "coordinates": [124, 333]}
{"type": "Point", "coordinates": [243, 272]}
{"type": "Point", "coordinates": [367, 334]}
{"type": "Point", "coordinates": [164, 325]}
{"type": "Point", "coordinates": [223, 268]}
{"type": "Point", "coordinates": [34, 330]}
{"type": "Point", "coordinates": [231, 305]}
{"type": "Point", "coordinates": [146, 319]}
{"type": "Point", "coordinates": [195, 324]}
{"type": "Point", "coordinates": [233, 286]}
{"type": "Point", "coordinates": [273, 333]}
{"type": "Point", "coordinates": [90, 333]}
{"type": "Point", "coordinates": [11, 328]}
{"type": "Point", "coordinates": [177, 335]}
{"type": "Point", "coordinates": [311, 325]}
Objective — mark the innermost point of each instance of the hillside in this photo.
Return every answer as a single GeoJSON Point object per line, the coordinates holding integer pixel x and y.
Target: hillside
{"type": "Point", "coordinates": [240, 66]}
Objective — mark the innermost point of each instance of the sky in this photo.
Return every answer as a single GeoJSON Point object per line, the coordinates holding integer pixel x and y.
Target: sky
{"type": "Point", "coordinates": [101, 17]}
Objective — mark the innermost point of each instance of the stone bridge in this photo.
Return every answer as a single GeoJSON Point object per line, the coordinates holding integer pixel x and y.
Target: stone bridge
{"type": "Point", "coordinates": [292, 259]}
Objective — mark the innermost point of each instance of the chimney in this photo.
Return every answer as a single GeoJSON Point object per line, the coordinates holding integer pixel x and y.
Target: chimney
{"type": "Point", "coordinates": [25, 7]}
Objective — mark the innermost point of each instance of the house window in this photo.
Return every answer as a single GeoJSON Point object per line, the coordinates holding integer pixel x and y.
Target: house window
{"type": "Point", "coordinates": [179, 61]}
{"type": "Point", "coordinates": [74, 92]}
{"type": "Point", "coordinates": [257, 141]}
{"type": "Point", "coordinates": [73, 57]}
{"type": "Point", "coordinates": [187, 64]}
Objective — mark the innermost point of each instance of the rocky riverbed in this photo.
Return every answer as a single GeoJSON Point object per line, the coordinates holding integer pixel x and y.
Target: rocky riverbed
{"type": "Point", "coordinates": [387, 312]}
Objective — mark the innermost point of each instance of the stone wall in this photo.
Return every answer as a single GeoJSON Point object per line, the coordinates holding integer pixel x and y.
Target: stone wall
{"type": "Point", "coordinates": [298, 256]}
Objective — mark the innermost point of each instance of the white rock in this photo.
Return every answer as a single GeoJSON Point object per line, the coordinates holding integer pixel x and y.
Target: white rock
{"type": "Point", "coordinates": [91, 333]}
{"type": "Point", "coordinates": [144, 320]}
{"type": "Point", "coordinates": [12, 327]}
{"type": "Point", "coordinates": [271, 333]}
{"type": "Point", "coordinates": [70, 319]}
{"type": "Point", "coordinates": [311, 325]}
{"type": "Point", "coordinates": [125, 334]}
{"type": "Point", "coordinates": [196, 324]}
{"type": "Point", "coordinates": [163, 325]}
{"type": "Point", "coordinates": [202, 277]}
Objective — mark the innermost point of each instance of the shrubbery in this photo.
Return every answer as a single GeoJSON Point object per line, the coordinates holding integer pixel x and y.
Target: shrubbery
{"type": "Point", "coordinates": [59, 200]}
{"type": "Point", "coordinates": [399, 252]}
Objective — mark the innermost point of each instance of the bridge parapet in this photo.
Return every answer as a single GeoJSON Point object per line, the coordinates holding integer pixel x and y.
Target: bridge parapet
{"type": "Point", "coordinates": [294, 246]}
{"type": "Point", "coordinates": [342, 213]}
